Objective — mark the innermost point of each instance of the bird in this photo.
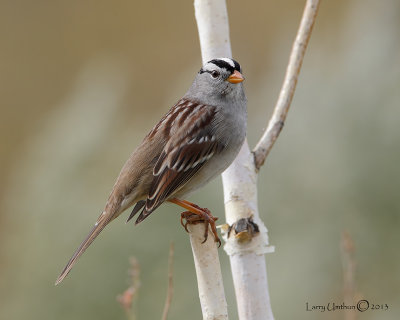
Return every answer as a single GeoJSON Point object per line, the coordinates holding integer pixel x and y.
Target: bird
{"type": "Point", "coordinates": [193, 143]}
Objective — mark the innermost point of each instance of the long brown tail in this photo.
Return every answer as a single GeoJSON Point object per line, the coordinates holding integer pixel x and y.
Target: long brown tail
{"type": "Point", "coordinates": [102, 221]}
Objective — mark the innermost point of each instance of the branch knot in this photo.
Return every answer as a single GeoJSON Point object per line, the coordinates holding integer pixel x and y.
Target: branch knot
{"type": "Point", "coordinates": [243, 230]}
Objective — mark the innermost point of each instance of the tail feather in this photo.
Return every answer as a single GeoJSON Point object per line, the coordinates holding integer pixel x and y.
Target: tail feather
{"type": "Point", "coordinates": [103, 220]}
{"type": "Point", "coordinates": [143, 215]}
{"type": "Point", "coordinates": [147, 210]}
{"type": "Point", "coordinates": [139, 205]}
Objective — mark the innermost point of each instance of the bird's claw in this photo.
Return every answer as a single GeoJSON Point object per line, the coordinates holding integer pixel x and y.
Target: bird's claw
{"type": "Point", "coordinates": [206, 217]}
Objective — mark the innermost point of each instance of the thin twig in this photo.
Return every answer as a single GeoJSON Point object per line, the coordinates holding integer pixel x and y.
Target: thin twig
{"type": "Point", "coordinates": [349, 267]}
{"type": "Point", "coordinates": [170, 290]}
{"type": "Point", "coordinates": [127, 298]}
{"type": "Point", "coordinates": [278, 118]}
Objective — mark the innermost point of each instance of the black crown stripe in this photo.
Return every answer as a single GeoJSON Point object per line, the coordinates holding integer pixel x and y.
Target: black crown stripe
{"type": "Point", "coordinates": [226, 65]}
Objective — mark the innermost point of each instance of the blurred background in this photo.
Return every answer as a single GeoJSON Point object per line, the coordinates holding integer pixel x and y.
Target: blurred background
{"type": "Point", "coordinates": [82, 82]}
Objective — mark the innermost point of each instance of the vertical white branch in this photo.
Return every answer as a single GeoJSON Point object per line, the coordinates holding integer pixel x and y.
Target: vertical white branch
{"type": "Point", "coordinates": [240, 184]}
{"type": "Point", "coordinates": [246, 249]}
{"type": "Point", "coordinates": [213, 27]}
{"type": "Point", "coordinates": [246, 235]}
{"type": "Point", "coordinates": [211, 15]}
{"type": "Point", "coordinates": [209, 277]}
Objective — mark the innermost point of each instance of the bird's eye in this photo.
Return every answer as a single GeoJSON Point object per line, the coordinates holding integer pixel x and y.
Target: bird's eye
{"type": "Point", "coordinates": [215, 74]}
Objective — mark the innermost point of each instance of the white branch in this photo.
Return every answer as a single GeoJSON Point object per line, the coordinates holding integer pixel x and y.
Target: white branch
{"type": "Point", "coordinates": [209, 277]}
{"type": "Point", "coordinates": [240, 189]}
{"type": "Point", "coordinates": [208, 269]}
{"type": "Point", "coordinates": [246, 235]}
{"type": "Point", "coordinates": [213, 26]}
{"type": "Point", "coordinates": [246, 250]}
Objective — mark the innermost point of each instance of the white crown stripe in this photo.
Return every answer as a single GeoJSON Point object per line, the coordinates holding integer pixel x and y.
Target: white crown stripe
{"type": "Point", "coordinates": [227, 60]}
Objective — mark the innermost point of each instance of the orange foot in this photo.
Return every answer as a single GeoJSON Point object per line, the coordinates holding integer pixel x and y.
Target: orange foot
{"type": "Point", "coordinates": [196, 215]}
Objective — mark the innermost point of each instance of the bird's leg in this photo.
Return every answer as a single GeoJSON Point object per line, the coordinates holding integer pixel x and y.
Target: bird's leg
{"type": "Point", "coordinates": [196, 215]}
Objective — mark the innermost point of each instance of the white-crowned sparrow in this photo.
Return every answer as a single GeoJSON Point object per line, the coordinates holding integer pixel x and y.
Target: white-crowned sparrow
{"type": "Point", "coordinates": [193, 143]}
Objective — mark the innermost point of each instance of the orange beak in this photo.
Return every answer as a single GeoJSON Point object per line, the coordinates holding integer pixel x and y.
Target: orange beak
{"type": "Point", "coordinates": [235, 77]}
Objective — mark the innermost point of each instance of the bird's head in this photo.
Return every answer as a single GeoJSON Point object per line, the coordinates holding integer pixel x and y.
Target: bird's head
{"type": "Point", "coordinates": [218, 78]}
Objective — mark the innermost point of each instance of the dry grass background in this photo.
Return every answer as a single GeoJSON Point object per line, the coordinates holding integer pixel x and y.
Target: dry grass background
{"type": "Point", "coordinates": [81, 82]}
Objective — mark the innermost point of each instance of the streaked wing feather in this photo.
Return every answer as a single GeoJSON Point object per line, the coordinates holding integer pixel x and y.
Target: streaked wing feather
{"type": "Point", "coordinates": [179, 162]}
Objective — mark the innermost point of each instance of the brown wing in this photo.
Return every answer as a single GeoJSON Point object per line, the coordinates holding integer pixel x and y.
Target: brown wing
{"type": "Point", "coordinates": [184, 155]}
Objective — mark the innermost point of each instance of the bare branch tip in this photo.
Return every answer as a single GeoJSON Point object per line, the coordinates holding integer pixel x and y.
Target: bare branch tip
{"type": "Point", "coordinates": [286, 93]}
